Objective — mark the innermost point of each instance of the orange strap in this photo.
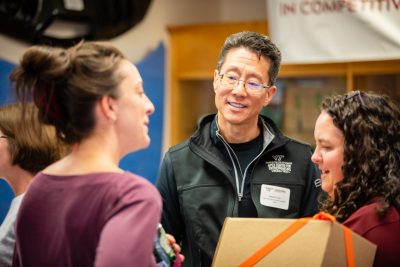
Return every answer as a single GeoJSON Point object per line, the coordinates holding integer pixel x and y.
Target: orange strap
{"type": "Point", "coordinates": [348, 243]}
{"type": "Point", "coordinates": [323, 216]}
{"type": "Point", "coordinates": [293, 228]}
{"type": "Point", "coordinates": [271, 245]}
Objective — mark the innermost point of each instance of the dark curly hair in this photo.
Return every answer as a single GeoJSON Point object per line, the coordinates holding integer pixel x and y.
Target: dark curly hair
{"type": "Point", "coordinates": [370, 124]}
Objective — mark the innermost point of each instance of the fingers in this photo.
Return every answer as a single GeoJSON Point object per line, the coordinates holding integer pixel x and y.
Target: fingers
{"type": "Point", "coordinates": [173, 243]}
{"type": "Point", "coordinates": [179, 257]}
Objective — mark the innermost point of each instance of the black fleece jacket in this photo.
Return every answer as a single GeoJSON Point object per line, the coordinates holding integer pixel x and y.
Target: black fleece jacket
{"type": "Point", "coordinates": [198, 184]}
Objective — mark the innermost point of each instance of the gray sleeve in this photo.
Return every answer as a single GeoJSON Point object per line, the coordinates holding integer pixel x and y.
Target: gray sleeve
{"type": "Point", "coordinates": [7, 238]}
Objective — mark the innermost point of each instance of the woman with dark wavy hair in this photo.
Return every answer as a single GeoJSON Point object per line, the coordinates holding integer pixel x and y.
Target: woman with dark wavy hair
{"type": "Point", "coordinates": [358, 153]}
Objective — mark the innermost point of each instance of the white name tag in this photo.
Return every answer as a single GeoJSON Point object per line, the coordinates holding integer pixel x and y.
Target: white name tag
{"type": "Point", "coordinates": [275, 196]}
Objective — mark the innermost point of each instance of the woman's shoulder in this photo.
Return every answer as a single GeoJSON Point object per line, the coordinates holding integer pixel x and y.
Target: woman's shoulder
{"type": "Point", "coordinates": [130, 183]}
{"type": "Point", "coordinates": [366, 219]}
{"type": "Point", "coordinates": [112, 184]}
{"type": "Point", "coordinates": [131, 188]}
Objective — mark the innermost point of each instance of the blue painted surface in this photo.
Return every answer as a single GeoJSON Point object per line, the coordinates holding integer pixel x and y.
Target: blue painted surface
{"type": "Point", "coordinates": [6, 194]}
{"type": "Point", "coordinates": [6, 95]}
{"type": "Point", "coordinates": [145, 162]}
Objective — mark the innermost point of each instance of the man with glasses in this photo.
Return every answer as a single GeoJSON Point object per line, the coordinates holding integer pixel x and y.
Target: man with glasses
{"type": "Point", "coordinates": [237, 163]}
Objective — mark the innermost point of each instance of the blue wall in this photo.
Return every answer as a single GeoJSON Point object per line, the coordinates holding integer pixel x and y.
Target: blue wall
{"type": "Point", "coordinates": [144, 162]}
{"type": "Point", "coordinates": [6, 96]}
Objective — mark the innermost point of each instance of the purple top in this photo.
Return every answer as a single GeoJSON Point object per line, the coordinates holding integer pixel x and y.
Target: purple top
{"type": "Point", "coordinates": [97, 219]}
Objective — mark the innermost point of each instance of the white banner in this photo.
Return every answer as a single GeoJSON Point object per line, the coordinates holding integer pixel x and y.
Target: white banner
{"type": "Point", "coordinates": [315, 31]}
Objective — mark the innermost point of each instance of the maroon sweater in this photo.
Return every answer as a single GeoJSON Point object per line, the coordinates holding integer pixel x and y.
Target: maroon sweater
{"type": "Point", "coordinates": [385, 233]}
{"type": "Point", "coordinates": [99, 219]}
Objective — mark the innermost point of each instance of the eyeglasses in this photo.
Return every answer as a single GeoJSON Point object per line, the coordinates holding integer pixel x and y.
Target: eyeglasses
{"type": "Point", "coordinates": [358, 94]}
{"type": "Point", "coordinates": [231, 80]}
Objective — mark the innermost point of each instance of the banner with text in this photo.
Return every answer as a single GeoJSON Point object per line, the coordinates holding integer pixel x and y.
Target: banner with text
{"type": "Point", "coordinates": [314, 31]}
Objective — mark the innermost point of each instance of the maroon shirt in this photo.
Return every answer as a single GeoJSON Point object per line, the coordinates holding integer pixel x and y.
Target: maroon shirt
{"type": "Point", "coordinates": [385, 233]}
{"type": "Point", "coordinates": [99, 219]}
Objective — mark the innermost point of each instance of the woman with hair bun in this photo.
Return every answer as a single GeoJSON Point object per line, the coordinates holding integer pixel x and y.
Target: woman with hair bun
{"type": "Point", "coordinates": [358, 153]}
{"type": "Point", "coordinates": [84, 210]}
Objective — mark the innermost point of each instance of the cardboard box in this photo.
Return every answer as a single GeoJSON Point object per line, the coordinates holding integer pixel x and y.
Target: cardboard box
{"type": "Point", "coordinates": [317, 243]}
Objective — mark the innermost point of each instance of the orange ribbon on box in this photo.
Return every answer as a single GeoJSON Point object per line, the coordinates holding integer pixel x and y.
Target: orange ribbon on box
{"type": "Point", "coordinates": [293, 228]}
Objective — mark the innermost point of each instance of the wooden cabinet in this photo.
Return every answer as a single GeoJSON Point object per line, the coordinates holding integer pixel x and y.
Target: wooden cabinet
{"type": "Point", "coordinates": [304, 87]}
{"type": "Point", "coordinates": [193, 55]}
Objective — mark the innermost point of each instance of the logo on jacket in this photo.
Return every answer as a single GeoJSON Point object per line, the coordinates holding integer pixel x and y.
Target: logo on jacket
{"type": "Point", "coordinates": [278, 165]}
{"type": "Point", "coordinates": [318, 182]}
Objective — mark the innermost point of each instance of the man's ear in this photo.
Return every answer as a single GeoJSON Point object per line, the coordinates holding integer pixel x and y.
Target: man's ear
{"type": "Point", "coordinates": [271, 91]}
{"type": "Point", "coordinates": [108, 107]}
{"type": "Point", "coordinates": [216, 78]}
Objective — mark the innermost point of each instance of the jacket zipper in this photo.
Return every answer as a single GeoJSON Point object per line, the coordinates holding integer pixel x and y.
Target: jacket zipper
{"type": "Point", "coordinates": [228, 148]}
{"type": "Point", "coordinates": [239, 188]}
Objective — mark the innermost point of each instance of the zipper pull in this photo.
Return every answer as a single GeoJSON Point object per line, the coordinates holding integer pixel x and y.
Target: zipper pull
{"type": "Point", "coordinates": [240, 195]}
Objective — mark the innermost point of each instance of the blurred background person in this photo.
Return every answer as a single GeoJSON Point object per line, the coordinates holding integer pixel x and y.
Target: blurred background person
{"type": "Point", "coordinates": [357, 139]}
{"type": "Point", "coordinates": [26, 147]}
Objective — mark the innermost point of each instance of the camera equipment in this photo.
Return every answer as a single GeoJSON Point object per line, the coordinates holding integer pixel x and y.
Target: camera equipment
{"type": "Point", "coordinates": [64, 22]}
